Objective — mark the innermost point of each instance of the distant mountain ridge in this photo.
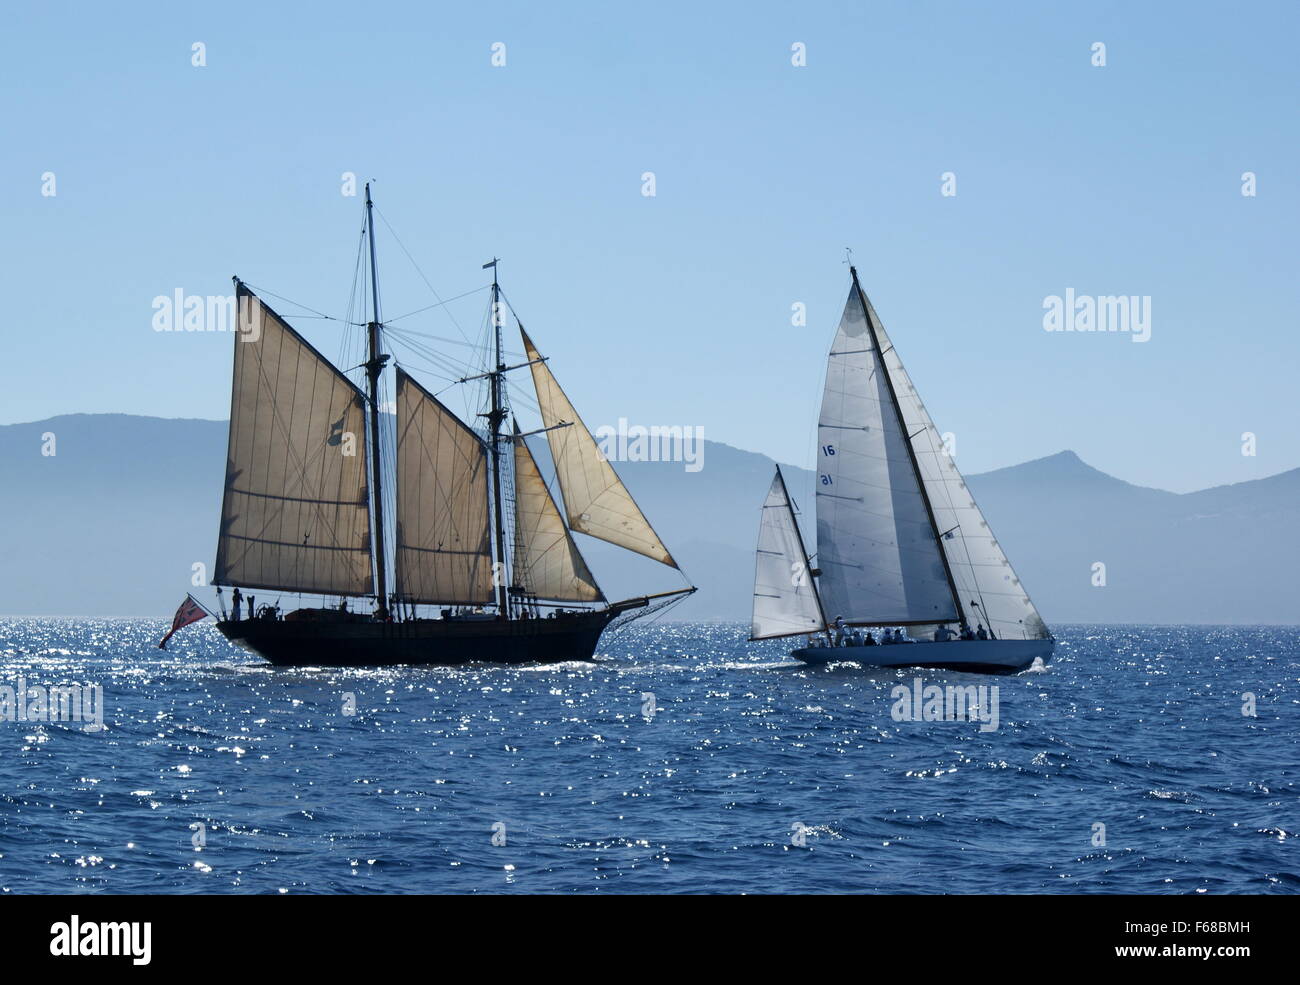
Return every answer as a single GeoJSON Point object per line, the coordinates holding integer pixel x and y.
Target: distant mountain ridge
{"type": "Point", "coordinates": [111, 524]}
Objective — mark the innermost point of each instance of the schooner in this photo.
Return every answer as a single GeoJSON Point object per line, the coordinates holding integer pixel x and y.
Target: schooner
{"type": "Point", "coordinates": [901, 542]}
{"type": "Point", "coordinates": [479, 562]}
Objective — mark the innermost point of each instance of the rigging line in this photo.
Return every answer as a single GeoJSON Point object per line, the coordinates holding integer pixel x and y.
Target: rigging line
{"type": "Point", "coordinates": [512, 353]}
{"type": "Point", "coordinates": [427, 372]}
{"type": "Point", "coordinates": [409, 338]}
{"type": "Point", "coordinates": [347, 341]}
{"type": "Point", "coordinates": [444, 366]}
{"type": "Point", "coordinates": [438, 370]}
{"type": "Point", "coordinates": [426, 280]}
{"type": "Point", "coordinates": [281, 297]}
{"type": "Point", "coordinates": [526, 401]}
{"type": "Point", "coordinates": [441, 304]}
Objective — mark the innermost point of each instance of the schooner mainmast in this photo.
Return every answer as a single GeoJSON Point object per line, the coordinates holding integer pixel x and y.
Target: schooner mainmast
{"type": "Point", "coordinates": [302, 512]}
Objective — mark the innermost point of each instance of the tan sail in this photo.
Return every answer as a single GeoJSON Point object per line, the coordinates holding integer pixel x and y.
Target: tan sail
{"type": "Point", "coordinates": [595, 500]}
{"type": "Point", "coordinates": [294, 514]}
{"type": "Point", "coordinates": [547, 562]}
{"type": "Point", "coordinates": [444, 551]}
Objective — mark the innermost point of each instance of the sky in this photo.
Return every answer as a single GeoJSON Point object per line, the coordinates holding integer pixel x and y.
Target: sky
{"type": "Point", "coordinates": [677, 308]}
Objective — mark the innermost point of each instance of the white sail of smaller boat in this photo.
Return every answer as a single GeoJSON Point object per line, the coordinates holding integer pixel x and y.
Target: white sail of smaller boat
{"type": "Point", "coordinates": [901, 541]}
{"type": "Point", "coordinates": [785, 597]}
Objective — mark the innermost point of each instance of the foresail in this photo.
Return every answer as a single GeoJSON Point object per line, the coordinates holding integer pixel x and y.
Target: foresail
{"type": "Point", "coordinates": [987, 586]}
{"type": "Point", "coordinates": [443, 546]}
{"type": "Point", "coordinates": [877, 551]}
{"type": "Point", "coordinates": [785, 597]}
{"type": "Point", "coordinates": [595, 500]}
{"type": "Point", "coordinates": [546, 560]}
{"type": "Point", "coordinates": [294, 514]}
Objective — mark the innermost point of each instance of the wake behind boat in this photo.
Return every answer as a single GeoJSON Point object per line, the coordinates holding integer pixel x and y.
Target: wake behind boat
{"type": "Point", "coordinates": [478, 536]}
{"type": "Point", "coordinates": [902, 546]}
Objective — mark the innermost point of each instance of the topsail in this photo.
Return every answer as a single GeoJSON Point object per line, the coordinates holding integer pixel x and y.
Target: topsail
{"type": "Point", "coordinates": [294, 515]}
{"type": "Point", "coordinates": [595, 499]}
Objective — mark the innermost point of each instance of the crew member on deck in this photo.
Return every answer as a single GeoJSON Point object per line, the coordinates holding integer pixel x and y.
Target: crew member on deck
{"type": "Point", "coordinates": [839, 631]}
{"type": "Point", "coordinates": [238, 598]}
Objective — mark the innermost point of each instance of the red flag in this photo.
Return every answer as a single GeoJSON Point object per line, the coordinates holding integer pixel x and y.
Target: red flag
{"type": "Point", "coordinates": [190, 611]}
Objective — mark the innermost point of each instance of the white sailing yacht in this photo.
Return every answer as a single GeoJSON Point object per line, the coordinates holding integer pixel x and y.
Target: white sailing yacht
{"type": "Point", "coordinates": [901, 543]}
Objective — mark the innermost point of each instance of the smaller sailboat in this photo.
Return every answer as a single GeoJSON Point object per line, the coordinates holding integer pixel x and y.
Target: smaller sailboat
{"type": "Point", "coordinates": [902, 545]}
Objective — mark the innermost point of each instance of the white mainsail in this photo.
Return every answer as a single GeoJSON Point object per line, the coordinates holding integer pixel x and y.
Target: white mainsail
{"type": "Point", "coordinates": [294, 514]}
{"type": "Point", "coordinates": [785, 596]}
{"type": "Point", "coordinates": [546, 560]}
{"type": "Point", "coordinates": [988, 589]}
{"type": "Point", "coordinates": [443, 545]}
{"type": "Point", "coordinates": [876, 545]}
{"type": "Point", "coordinates": [595, 500]}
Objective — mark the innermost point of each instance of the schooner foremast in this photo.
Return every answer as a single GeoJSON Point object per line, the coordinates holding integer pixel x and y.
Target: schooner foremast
{"type": "Point", "coordinates": [299, 517]}
{"type": "Point", "coordinates": [374, 369]}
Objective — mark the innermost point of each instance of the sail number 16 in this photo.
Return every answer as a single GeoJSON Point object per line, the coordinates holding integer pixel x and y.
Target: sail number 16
{"type": "Point", "coordinates": [827, 450]}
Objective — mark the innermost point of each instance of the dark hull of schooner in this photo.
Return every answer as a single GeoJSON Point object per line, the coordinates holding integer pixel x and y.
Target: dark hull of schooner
{"type": "Point", "coordinates": [363, 643]}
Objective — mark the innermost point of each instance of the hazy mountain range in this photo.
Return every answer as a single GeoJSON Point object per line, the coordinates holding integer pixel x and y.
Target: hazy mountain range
{"type": "Point", "coordinates": [111, 524]}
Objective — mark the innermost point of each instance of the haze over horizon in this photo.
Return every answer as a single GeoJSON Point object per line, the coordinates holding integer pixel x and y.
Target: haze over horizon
{"type": "Point", "coordinates": [140, 498]}
{"type": "Point", "coordinates": [1067, 452]}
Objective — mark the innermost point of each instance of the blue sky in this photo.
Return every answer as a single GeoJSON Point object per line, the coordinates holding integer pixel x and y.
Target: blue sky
{"type": "Point", "coordinates": [1123, 179]}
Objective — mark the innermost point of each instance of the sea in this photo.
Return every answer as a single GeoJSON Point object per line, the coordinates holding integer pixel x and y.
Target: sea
{"type": "Point", "coordinates": [683, 759]}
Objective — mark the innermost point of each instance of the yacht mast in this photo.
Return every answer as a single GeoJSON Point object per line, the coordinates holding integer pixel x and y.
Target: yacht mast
{"type": "Point", "coordinates": [495, 416]}
{"type": "Point", "coordinates": [374, 367]}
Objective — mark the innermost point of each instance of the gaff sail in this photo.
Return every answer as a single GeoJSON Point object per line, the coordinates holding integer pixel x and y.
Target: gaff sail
{"type": "Point", "coordinates": [294, 514]}
{"type": "Point", "coordinates": [444, 551]}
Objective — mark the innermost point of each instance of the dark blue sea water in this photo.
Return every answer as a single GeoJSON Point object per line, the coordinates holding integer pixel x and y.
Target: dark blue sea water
{"type": "Point", "coordinates": [745, 754]}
